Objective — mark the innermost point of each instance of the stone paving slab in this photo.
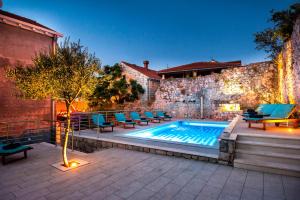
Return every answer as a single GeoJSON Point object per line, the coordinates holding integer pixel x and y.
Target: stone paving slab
{"type": "Point", "coordinates": [116, 174]}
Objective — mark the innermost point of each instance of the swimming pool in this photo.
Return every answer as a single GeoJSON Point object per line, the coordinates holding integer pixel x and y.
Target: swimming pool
{"type": "Point", "coordinates": [204, 134]}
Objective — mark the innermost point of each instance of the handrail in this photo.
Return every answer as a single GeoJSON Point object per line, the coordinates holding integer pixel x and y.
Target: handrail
{"type": "Point", "coordinates": [108, 111]}
{"type": "Point", "coordinates": [43, 120]}
{"type": "Point", "coordinates": [35, 130]}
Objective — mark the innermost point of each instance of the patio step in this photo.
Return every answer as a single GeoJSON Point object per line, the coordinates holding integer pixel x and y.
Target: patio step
{"type": "Point", "coordinates": [270, 167]}
{"type": "Point", "coordinates": [293, 159]}
{"type": "Point", "coordinates": [268, 147]}
{"type": "Point", "coordinates": [276, 154]}
{"type": "Point", "coordinates": [272, 139]}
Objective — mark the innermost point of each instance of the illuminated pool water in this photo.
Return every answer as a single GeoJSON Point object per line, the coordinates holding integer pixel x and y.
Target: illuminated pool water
{"type": "Point", "coordinates": [185, 132]}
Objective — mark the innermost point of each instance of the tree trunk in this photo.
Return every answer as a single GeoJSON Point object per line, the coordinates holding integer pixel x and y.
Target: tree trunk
{"type": "Point", "coordinates": [64, 150]}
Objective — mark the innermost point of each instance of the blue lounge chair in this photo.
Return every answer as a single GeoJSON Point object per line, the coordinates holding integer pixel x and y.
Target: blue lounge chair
{"type": "Point", "coordinates": [10, 149]}
{"type": "Point", "coordinates": [120, 117]}
{"type": "Point", "coordinates": [281, 113]}
{"type": "Point", "coordinates": [137, 118]}
{"type": "Point", "coordinates": [263, 110]}
{"type": "Point", "coordinates": [149, 115]}
{"type": "Point", "coordinates": [98, 120]}
{"type": "Point", "coordinates": [163, 116]}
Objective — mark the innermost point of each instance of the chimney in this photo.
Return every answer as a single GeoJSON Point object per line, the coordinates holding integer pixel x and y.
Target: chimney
{"type": "Point", "coordinates": [146, 63]}
{"type": "Point", "coordinates": [1, 3]}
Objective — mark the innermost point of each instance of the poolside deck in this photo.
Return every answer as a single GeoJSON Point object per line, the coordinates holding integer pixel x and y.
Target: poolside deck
{"type": "Point", "coordinates": [272, 130]}
{"type": "Point", "coordinates": [116, 174]}
{"type": "Point", "coordinates": [240, 129]}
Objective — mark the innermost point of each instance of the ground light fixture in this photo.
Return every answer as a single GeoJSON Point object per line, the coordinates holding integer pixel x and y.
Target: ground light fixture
{"type": "Point", "coordinates": [73, 164]}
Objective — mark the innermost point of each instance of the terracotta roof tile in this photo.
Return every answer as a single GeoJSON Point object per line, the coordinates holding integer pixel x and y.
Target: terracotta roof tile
{"type": "Point", "coordinates": [202, 66]}
{"type": "Point", "coordinates": [147, 72]}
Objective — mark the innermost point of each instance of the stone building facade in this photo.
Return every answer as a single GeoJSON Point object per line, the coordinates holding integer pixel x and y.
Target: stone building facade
{"type": "Point", "coordinates": [149, 79]}
{"type": "Point", "coordinates": [248, 86]}
{"type": "Point", "coordinates": [20, 40]}
{"type": "Point", "coordinates": [180, 93]}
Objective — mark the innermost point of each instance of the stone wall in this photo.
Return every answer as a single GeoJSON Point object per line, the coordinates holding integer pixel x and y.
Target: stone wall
{"type": "Point", "coordinates": [248, 86]}
{"type": "Point", "coordinates": [153, 86]}
{"type": "Point", "coordinates": [142, 105]}
{"type": "Point", "coordinates": [139, 77]}
{"type": "Point", "coordinates": [288, 63]}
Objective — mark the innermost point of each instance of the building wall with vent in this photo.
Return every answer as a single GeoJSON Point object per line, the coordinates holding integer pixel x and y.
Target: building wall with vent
{"type": "Point", "coordinates": [19, 46]}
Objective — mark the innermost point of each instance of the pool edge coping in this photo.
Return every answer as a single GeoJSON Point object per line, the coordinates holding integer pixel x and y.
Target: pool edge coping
{"type": "Point", "coordinates": [124, 135]}
{"type": "Point", "coordinates": [169, 149]}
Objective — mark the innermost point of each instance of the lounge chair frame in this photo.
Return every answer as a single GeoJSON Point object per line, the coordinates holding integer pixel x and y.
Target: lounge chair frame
{"type": "Point", "coordinates": [101, 128]}
{"type": "Point", "coordinates": [277, 122]}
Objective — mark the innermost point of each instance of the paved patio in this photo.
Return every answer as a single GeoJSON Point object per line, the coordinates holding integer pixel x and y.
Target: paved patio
{"type": "Point", "coordinates": [122, 174]}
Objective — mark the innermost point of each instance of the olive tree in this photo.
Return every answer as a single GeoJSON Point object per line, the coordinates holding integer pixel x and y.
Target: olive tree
{"type": "Point", "coordinates": [68, 73]}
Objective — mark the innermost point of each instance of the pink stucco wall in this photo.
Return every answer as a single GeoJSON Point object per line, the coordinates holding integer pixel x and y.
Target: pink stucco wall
{"type": "Point", "coordinates": [19, 46]}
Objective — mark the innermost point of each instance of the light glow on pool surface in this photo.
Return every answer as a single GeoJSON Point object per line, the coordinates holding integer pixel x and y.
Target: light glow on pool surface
{"type": "Point", "coordinates": [185, 132]}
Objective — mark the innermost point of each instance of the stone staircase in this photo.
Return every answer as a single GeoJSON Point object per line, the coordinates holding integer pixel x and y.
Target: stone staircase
{"type": "Point", "coordinates": [273, 154]}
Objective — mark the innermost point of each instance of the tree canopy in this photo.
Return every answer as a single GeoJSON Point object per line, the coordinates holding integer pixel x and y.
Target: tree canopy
{"type": "Point", "coordinates": [272, 39]}
{"type": "Point", "coordinates": [113, 88]}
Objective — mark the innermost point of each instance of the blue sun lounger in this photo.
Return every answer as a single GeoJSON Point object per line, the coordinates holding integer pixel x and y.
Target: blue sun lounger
{"type": "Point", "coordinates": [281, 113]}
{"type": "Point", "coordinates": [98, 120]}
{"type": "Point", "coordinates": [10, 149]}
{"type": "Point", "coordinates": [120, 117]}
{"type": "Point", "coordinates": [263, 110]}
{"type": "Point", "coordinates": [137, 118]}
{"type": "Point", "coordinates": [149, 115]}
{"type": "Point", "coordinates": [163, 116]}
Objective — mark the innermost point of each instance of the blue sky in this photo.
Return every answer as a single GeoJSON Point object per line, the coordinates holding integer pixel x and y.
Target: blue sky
{"type": "Point", "coordinates": [165, 32]}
